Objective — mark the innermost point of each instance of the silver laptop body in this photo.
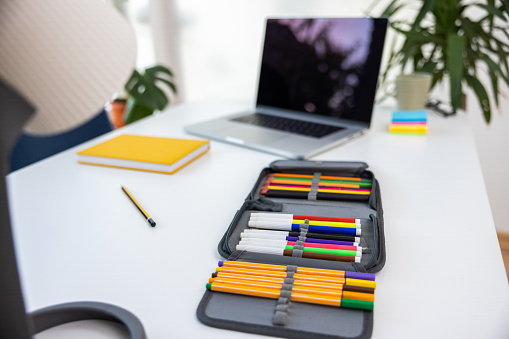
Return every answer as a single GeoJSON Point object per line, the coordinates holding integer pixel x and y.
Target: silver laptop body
{"type": "Point", "coordinates": [316, 88]}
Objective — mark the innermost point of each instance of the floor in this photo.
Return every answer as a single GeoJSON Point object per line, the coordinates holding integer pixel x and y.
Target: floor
{"type": "Point", "coordinates": [503, 239]}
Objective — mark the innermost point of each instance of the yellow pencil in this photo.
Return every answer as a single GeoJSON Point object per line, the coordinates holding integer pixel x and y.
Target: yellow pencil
{"type": "Point", "coordinates": [150, 221]}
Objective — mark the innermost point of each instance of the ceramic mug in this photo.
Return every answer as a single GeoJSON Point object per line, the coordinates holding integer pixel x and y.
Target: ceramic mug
{"type": "Point", "coordinates": [412, 90]}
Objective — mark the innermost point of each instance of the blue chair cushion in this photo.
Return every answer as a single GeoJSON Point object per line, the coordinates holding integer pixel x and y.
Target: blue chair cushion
{"type": "Point", "coordinates": [31, 148]}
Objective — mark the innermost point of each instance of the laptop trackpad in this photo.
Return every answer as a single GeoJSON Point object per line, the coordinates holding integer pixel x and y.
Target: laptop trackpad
{"type": "Point", "coordinates": [247, 134]}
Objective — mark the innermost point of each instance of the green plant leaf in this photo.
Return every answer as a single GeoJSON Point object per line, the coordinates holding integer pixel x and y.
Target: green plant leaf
{"type": "Point", "coordinates": [391, 9]}
{"type": "Point", "coordinates": [170, 84]}
{"type": "Point", "coordinates": [494, 84]}
{"type": "Point", "coordinates": [144, 87]}
{"type": "Point", "coordinates": [493, 66]}
{"type": "Point", "coordinates": [429, 67]}
{"type": "Point", "coordinates": [454, 66]}
{"type": "Point", "coordinates": [505, 6]}
{"type": "Point", "coordinates": [158, 69]}
{"type": "Point", "coordinates": [493, 11]}
{"type": "Point", "coordinates": [482, 96]}
{"type": "Point", "coordinates": [135, 111]}
{"type": "Point", "coordinates": [427, 6]}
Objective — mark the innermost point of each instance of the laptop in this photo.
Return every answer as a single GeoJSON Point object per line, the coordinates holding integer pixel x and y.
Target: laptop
{"type": "Point", "coordinates": [316, 88]}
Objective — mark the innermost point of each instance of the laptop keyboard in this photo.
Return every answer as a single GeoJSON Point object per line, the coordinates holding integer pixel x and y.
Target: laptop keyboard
{"type": "Point", "coordinates": [302, 127]}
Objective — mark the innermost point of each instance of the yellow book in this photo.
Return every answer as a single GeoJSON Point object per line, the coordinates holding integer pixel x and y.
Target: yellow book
{"type": "Point", "coordinates": [144, 153]}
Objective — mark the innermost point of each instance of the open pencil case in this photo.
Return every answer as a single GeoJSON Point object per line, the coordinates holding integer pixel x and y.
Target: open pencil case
{"type": "Point", "coordinates": [282, 317]}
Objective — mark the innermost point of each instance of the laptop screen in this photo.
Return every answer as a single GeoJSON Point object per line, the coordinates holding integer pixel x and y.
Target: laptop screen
{"type": "Point", "coordinates": [322, 66]}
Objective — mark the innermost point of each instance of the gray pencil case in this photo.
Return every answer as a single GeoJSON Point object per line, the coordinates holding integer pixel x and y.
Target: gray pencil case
{"type": "Point", "coordinates": [281, 317]}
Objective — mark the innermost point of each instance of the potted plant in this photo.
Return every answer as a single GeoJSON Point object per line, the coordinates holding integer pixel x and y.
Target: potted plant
{"type": "Point", "coordinates": [144, 94]}
{"type": "Point", "coordinates": [441, 39]}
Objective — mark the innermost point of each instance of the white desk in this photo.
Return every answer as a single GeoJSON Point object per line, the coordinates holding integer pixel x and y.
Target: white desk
{"type": "Point", "coordinates": [79, 238]}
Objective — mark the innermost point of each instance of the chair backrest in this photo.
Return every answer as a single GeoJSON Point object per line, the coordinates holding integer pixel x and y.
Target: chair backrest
{"type": "Point", "coordinates": [32, 148]}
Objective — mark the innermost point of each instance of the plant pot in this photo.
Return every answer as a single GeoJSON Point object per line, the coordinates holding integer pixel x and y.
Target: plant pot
{"type": "Point", "coordinates": [136, 111]}
{"type": "Point", "coordinates": [117, 112]}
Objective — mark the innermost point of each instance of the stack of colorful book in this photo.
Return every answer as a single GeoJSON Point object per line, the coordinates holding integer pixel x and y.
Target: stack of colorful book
{"type": "Point", "coordinates": [409, 122]}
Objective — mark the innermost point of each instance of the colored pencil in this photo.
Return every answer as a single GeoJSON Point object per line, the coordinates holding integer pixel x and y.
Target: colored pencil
{"type": "Point", "coordinates": [245, 235]}
{"type": "Point", "coordinates": [303, 270]}
{"type": "Point", "coordinates": [320, 195]}
{"type": "Point", "coordinates": [321, 182]}
{"type": "Point", "coordinates": [274, 187]}
{"type": "Point", "coordinates": [310, 176]}
{"type": "Point", "coordinates": [314, 235]}
{"type": "Point", "coordinates": [310, 182]}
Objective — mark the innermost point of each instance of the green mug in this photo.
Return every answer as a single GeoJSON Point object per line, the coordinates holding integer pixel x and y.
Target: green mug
{"type": "Point", "coordinates": [412, 91]}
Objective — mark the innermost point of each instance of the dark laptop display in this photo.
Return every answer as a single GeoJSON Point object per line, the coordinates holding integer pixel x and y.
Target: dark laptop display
{"type": "Point", "coordinates": [321, 66]}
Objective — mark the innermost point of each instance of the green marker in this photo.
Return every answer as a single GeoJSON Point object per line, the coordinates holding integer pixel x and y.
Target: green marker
{"type": "Point", "coordinates": [327, 251]}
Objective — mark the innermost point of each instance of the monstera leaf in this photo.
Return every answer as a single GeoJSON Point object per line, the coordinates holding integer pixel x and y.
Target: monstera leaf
{"type": "Point", "coordinates": [145, 94]}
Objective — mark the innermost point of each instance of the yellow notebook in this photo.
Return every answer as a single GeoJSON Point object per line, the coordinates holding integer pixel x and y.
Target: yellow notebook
{"type": "Point", "coordinates": [144, 153]}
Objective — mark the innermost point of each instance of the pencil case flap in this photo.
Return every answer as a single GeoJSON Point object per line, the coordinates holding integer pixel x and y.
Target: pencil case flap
{"type": "Point", "coordinates": [275, 317]}
{"type": "Point", "coordinates": [372, 239]}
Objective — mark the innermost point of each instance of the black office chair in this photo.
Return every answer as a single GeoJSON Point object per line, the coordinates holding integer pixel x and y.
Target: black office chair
{"type": "Point", "coordinates": [16, 323]}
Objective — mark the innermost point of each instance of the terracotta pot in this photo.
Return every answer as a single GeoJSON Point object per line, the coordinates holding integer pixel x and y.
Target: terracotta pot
{"type": "Point", "coordinates": [117, 112]}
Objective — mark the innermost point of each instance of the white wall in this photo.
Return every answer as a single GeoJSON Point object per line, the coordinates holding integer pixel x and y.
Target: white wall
{"type": "Point", "coordinates": [219, 49]}
{"type": "Point", "coordinates": [492, 141]}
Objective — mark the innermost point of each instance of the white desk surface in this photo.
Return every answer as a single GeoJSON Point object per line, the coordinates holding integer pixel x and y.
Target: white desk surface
{"type": "Point", "coordinates": [79, 238]}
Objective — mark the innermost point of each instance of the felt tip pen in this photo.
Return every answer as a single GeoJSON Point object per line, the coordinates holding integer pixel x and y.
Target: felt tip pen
{"type": "Point", "coordinates": [287, 246]}
{"type": "Point", "coordinates": [150, 221]}
{"type": "Point", "coordinates": [245, 235]}
{"type": "Point", "coordinates": [313, 228]}
{"type": "Point", "coordinates": [324, 290]}
{"type": "Point", "coordinates": [340, 237]}
{"type": "Point", "coordinates": [296, 288]}
{"type": "Point", "coordinates": [297, 216]}
{"type": "Point", "coordinates": [300, 269]}
{"type": "Point", "coordinates": [275, 293]}
{"type": "Point", "coordinates": [310, 221]}
{"type": "Point", "coordinates": [296, 282]}
{"type": "Point", "coordinates": [305, 254]}
{"type": "Point", "coordinates": [277, 274]}
{"type": "Point", "coordinates": [253, 221]}
{"type": "Point", "coordinates": [304, 243]}
{"type": "Point", "coordinates": [350, 281]}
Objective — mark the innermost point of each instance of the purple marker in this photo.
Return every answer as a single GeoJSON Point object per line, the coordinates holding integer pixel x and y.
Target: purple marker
{"type": "Point", "coordinates": [324, 241]}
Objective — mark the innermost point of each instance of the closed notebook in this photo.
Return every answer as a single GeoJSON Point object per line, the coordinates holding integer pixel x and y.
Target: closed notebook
{"type": "Point", "coordinates": [145, 153]}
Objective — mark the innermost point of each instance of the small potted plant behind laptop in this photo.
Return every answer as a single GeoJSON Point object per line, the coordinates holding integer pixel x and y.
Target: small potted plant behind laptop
{"type": "Point", "coordinates": [443, 39]}
{"type": "Point", "coordinates": [145, 95]}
